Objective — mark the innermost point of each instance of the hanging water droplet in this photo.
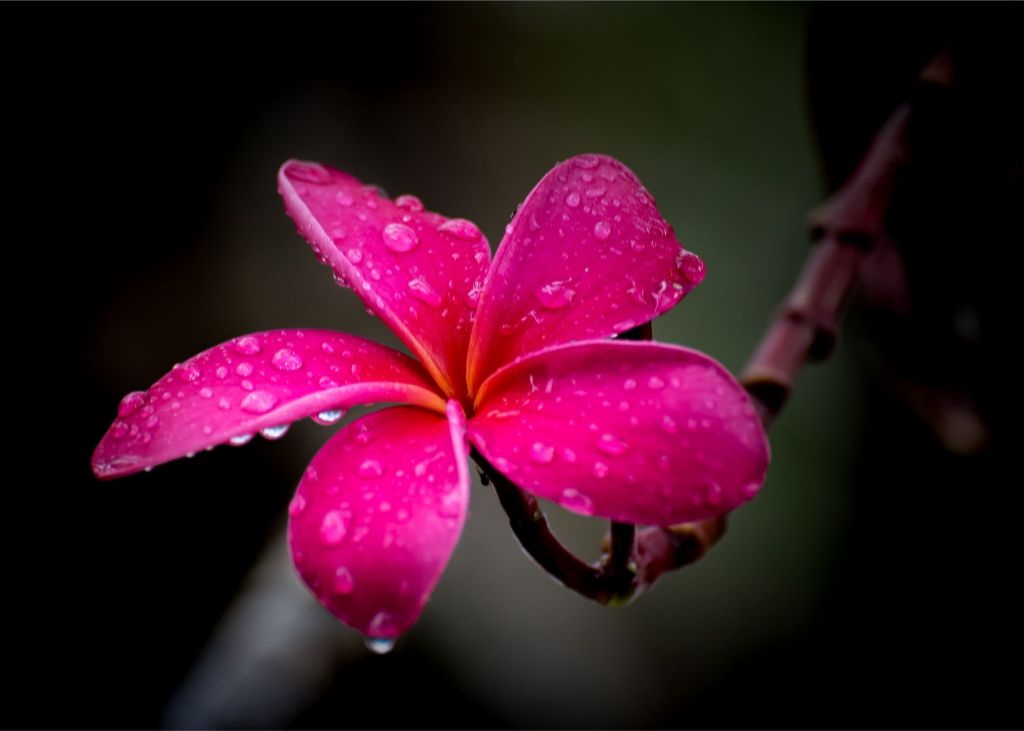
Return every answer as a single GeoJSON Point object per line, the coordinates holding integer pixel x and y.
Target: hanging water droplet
{"type": "Point", "coordinates": [690, 266]}
{"type": "Point", "coordinates": [409, 203]}
{"type": "Point", "coordinates": [399, 237]}
{"type": "Point", "coordinates": [258, 402]}
{"type": "Point", "coordinates": [286, 360]}
{"type": "Point", "coordinates": [370, 469]}
{"type": "Point", "coordinates": [241, 440]}
{"type": "Point", "coordinates": [576, 501]}
{"type": "Point", "coordinates": [329, 416]}
{"type": "Point", "coordinates": [131, 403]}
{"type": "Point", "coordinates": [424, 292]}
{"type": "Point", "coordinates": [380, 645]}
{"type": "Point", "coordinates": [610, 444]}
{"type": "Point", "coordinates": [555, 295]}
{"type": "Point", "coordinates": [334, 527]}
{"type": "Point", "coordinates": [572, 200]}
{"type": "Point", "coordinates": [602, 230]}
{"type": "Point", "coordinates": [248, 345]}
{"type": "Point", "coordinates": [274, 432]}
{"type": "Point", "coordinates": [541, 453]}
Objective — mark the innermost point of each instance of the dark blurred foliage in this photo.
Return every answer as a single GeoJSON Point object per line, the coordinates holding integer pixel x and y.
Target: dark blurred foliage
{"type": "Point", "coordinates": [123, 121]}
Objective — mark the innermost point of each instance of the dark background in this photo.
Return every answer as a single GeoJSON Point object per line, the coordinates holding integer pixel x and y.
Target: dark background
{"type": "Point", "coordinates": [873, 581]}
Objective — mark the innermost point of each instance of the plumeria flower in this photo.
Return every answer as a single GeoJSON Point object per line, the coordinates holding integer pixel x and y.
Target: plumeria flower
{"type": "Point", "coordinates": [515, 357]}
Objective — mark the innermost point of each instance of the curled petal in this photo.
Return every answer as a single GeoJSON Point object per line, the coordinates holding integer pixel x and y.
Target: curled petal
{"type": "Point", "coordinates": [377, 516]}
{"type": "Point", "coordinates": [586, 256]}
{"type": "Point", "coordinates": [633, 431]}
{"type": "Point", "coordinates": [255, 382]}
{"type": "Point", "coordinates": [420, 272]}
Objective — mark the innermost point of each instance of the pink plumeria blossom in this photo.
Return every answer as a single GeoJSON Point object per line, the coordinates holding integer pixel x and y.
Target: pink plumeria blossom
{"type": "Point", "coordinates": [515, 358]}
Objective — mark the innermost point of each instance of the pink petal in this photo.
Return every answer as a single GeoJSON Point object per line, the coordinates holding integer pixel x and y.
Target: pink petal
{"type": "Point", "coordinates": [634, 431]}
{"type": "Point", "coordinates": [377, 515]}
{"type": "Point", "coordinates": [586, 256]}
{"type": "Point", "coordinates": [251, 383]}
{"type": "Point", "coordinates": [420, 272]}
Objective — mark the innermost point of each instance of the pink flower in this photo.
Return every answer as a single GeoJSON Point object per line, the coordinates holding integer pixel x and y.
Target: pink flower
{"type": "Point", "coordinates": [515, 358]}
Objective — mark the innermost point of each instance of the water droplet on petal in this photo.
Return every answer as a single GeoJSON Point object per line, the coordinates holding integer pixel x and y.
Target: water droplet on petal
{"type": "Point", "coordinates": [274, 432]}
{"type": "Point", "coordinates": [576, 501]}
{"type": "Point", "coordinates": [370, 469]}
{"type": "Point", "coordinates": [596, 192]}
{"type": "Point", "coordinates": [555, 296]}
{"type": "Point", "coordinates": [655, 383]}
{"type": "Point", "coordinates": [409, 203]}
{"type": "Point", "coordinates": [120, 430]}
{"type": "Point", "coordinates": [131, 403]}
{"type": "Point", "coordinates": [600, 469]}
{"type": "Point", "coordinates": [460, 228]}
{"type": "Point", "coordinates": [296, 506]}
{"type": "Point", "coordinates": [587, 162]}
{"type": "Point", "coordinates": [329, 416]}
{"type": "Point", "coordinates": [344, 198]}
{"type": "Point", "coordinates": [629, 384]}
{"type": "Point", "coordinates": [223, 404]}
{"type": "Point", "coordinates": [258, 402]}
{"type": "Point", "coordinates": [610, 444]}
{"type": "Point", "coordinates": [241, 440]}
{"type": "Point", "coordinates": [690, 266]}
{"type": "Point", "coordinates": [569, 456]}
{"type": "Point", "coordinates": [334, 527]}
{"type": "Point", "coordinates": [541, 453]}
{"type": "Point", "coordinates": [355, 255]}
{"type": "Point", "coordinates": [248, 345]}
{"type": "Point", "coordinates": [343, 582]}
{"type": "Point", "coordinates": [286, 360]}
{"type": "Point", "coordinates": [308, 173]}
{"type": "Point", "coordinates": [244, 369]}
{"type": "Point", "coordinates": [751, 489]}
{"type": "Point", "coordinates": [602, 230]}
{"type": "Point", "coordinates": [399, 237]}
{"type": "Point", "coordinates": [572, 200]}
{"type": "Point", "coordinates": [222, 372]}
{"type": "Point", "coordinates": [668, 424]}
{"type": "Point", "coordinates": [205, 393]}
{"type": "Point", "coordinates": [424, 292]}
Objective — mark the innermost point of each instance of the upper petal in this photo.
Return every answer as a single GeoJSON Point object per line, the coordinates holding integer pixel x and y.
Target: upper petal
{"type": "Point", "coordinates": [633, 431]}
{"type": "Point", "coordinates": [420, 272]}
{"type": "Point", "coordinates": [255, 382]}
{"type": "Point", "coordinates": [587, 255]}
{"type": "Point", "coordinates": [378, 513]}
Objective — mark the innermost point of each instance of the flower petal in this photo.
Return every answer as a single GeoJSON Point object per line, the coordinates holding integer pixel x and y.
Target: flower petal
{"type": "Point", "coordinates": [378, 513]}
{"type": "Point", "coordinates": [633, 431]}
{"type": "Point", "coordinates": [252, 383]}
{"type": "Point", "coordinates": [420, 272]}
{"type": "Point", "coordinates": [587, 255]}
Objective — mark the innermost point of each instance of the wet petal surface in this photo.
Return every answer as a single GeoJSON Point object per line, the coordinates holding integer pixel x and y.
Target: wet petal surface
{"type": "Point", "coordinates": [586, 256]}
{"type": "Point", "coordinates": [378, 513]}
{"type": "Point", "coordinates": [420, 272]}
{"type": "Point", "coordinates": [638, 432]}
{"type": "Point", "coordinates": [259, 382]}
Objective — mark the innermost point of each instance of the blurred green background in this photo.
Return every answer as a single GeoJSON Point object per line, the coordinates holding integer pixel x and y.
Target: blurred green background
{"type": "Point", "coordinates": [169, 135]}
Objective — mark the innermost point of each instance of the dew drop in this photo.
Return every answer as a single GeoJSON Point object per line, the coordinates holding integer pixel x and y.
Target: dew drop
{"type": "Point", "coordinates": [343, 582]}
{"type": "Point", "coordinates": [668, 424]}
{"type": "Point", "coordinates": [370, 469]}
{"type": "Point", "coordinates": [286, 360]}
{"type": "Point", "coordinates": [586, 162]}
{"type": "Point", "coordinates": [379, 645]}
{"type": "Point", "coordinates": [460, 228]}
{"type": "Point", "coordinates": [555, 296]}
{"type": "Point", "coordinates": [355, 255]}
{"type": "Point", "coordinates": [569, 456]}
{"type": "Point", "coordinates": [329, 416]}
{"type": "Point", "coordinates": [422, 291]}
{"type": "Point", "coordinates": [751, 489]}
{"type": "Point", "coordinates": [629, 384]}
{"type": "Point", "coordinates": [572, 200]}
{"type": "Point", "coordinates": [610, 444]}
{"type": "Point", "coordinates": [205, 393]}
{"type": "Point", "coordinates": [334, 527]}
{"type": "Point", "coordinates": [409, 203]}
{"type": "Point", "coordinates": [244, 369]}
{"type": "Point", "coordinates": [258, 402]}
{"type": "Point", "coordinates": [399, 237]}
{"type": "Point", "coordinates": [248, 345]}
{"type": "Point", "coordinates": [120, 430]}
{"type": "Point", "coordinates": [576, 501]}
{"type": "Point", "coordinates": [131, 403]}
{"type": "Point", "coordinates": [600, 469]}
{"type": "Point", "coordinates": [691, 267]}
{"type": "Point", "coordinates": [541, 453]}
{"type": "Point", "coordinates": [222, 372]}
{"type": "Point", "coordinates": [296, 506]}
{"type": "Point", "coordinates": [344, 198]}
{"type": "Point", "coordinates": [655, 383]}
{"type": "Point", "coordinates": [602, 230]}
{"type": "Point", "coordinates": [274, 432]}
{"type": "Point", "coordinates": [308, 173]}
{"type": "Point", "coordinates": [596, 192]}
{"type": "Point", "coordinates": [241, 440]}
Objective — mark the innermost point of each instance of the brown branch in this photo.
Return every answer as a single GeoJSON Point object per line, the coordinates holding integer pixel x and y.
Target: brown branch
{"type": "Point", "coordinates": [844, 231]}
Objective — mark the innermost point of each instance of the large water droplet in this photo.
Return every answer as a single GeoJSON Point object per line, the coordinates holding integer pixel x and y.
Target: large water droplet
{"type": "Point", "coordinates": [576, 501]}
{"type": "Point", "coordinates": [334, 527]}
{"type": "Point", "coordinates": [274, 432]}
{"type": "Point", "coordinates": [370, 469]}
{"type": "Point", "coordinates": [555, 296]}
{"type": "Point", "coordinates": [399, 237]}
{"type": "Point", "coordinates": [602, 230]}
{"type": "Point", "coordinates": [380, 645]}
{"type": "Point", "coordinates": [286, 360]}
{"type": "Point", "coordinates": [424, 292]}
{"type": "Point", "coordinates": [248, 345]}
{"type": "Point", "coordinates": [244, 369]}
{"type": "Point", "coordinates": [610, 444]}
{"type": "Point", "coordinates": [691, 267]}
{"type": "Point", "coordinates": [241, 440]}
{"type": "Point", "coordinates": [258, 402]}
{"type": "Point", "coordinates": [542, 453]}
{"type": "Point", "coordinates": [460, 228]}
{"type": "Point", "coordinates": [329, 416]}
{"type": "Point", "coordinates": [409, 203]}
{"type": "Point", "coordinates": [131, 403]}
